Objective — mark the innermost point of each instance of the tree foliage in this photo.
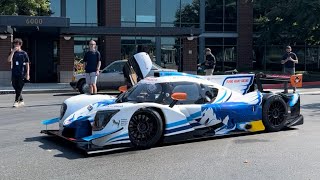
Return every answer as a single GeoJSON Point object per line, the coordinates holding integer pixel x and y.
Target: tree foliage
{"type": "Point", "coordinates": [188, 15]}
{"type": "Point", "coordinates": [287, 21]}
{"type": "Point", "coordinates": [25, 7]}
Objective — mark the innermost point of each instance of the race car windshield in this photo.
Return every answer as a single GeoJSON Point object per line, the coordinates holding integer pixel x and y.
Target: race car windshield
{"type": "Point", "coordinates": [161, 93]}
{"type": "Point", "coordinates": [146, 93]}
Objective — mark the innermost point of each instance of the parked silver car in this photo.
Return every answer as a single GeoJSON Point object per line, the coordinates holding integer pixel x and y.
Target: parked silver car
{"type": "Point", "coordinates": [111, 77]}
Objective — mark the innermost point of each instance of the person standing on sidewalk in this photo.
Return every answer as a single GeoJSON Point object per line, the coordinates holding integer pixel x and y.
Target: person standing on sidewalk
{"type": "Point", "coordinates": [289, 61]}
{"type": "Point", "coordinates": [209, 63]}
{"type": "Point", "coordinates": [92, 60]}
{"type": "Point", "coordinates": [20, 68]}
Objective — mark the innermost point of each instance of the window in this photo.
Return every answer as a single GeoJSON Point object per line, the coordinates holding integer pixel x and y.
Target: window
{"type": "Point", "coordinates": [145, 13]}
{"type": "Point", "coordinates": [221, 15]}
{"type": "Point", "coordinates": [114, 67]}
{"type": "Point", "coordinates": [55, 7]}
{"type": "Point", "coordinates": [82, 12]}
{"type": "Point", "coordinates": [128, 13]}
{"type": "Point", "coordinates": [138, 13]}
{"type": "Point", "coordinates": [191, 89]}
{"type": "Point", "coordinates": [169, 10]}
{"type": "Point", "coordinates": [225, 51]}
{"type": "Point", "coordinates": [208, 93]}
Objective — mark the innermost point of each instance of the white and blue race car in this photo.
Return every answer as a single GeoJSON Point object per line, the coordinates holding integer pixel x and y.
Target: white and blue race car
{"type": "Point", "coordinates": [173, 107]}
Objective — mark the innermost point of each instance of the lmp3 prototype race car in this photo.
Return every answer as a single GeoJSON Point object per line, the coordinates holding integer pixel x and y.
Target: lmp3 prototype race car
{"type": "Point", "coordinates": [172, 107]}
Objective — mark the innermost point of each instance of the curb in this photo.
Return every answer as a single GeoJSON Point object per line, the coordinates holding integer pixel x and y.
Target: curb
{"type": "Point", "coordinates": [38, 91]}
{"type": "Point", "coordinates": [279, 86]}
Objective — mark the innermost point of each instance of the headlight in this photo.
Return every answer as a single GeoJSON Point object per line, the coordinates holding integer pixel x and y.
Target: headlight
{"type": "Point", "coordinates": [63, 110]}
{"type": "Point", "coordinates": [102, 118]}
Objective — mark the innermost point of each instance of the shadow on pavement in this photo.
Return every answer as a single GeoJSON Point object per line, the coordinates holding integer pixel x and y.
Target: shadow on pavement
{"type": "Point", "coordinates": [28, 106]}
{"type": "Point", "coordinates": [314, 106]}
{"type": "Point", "coordinates": [67, 150]}
{"type": "Point", "coordinates": [70, 151]}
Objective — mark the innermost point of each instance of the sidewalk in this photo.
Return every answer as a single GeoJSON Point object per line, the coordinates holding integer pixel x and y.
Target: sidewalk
{"type": "Point", "coordinates": [34, 88]}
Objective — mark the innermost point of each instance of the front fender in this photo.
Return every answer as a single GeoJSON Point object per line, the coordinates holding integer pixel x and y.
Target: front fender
{"type": "Point", "coordinates": [77, 102]}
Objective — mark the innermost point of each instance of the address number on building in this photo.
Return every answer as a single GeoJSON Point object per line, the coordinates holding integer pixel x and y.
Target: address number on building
{"type": "Point", "coordinates": [35, 21]}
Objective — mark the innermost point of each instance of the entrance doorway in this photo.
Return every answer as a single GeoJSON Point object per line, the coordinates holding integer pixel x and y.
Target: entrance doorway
{"type": "Point", "coordinates": [41, 50]}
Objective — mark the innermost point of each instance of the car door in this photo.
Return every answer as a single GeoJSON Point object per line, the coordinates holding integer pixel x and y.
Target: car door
{"type": "Point", "coordinates": [111, 77]}
{"type": "Point", "coordinates": [198, 97]}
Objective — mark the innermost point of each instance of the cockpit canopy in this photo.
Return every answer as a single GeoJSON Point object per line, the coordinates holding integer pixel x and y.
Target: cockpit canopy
{"type": "Point", "coordinates": [161, 93]}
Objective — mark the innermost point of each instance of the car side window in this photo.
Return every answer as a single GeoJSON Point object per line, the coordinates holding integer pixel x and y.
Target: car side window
{"type": "Point", "coordinates": [192, 90]}
{"type": "Point", "coordinates": [208, 93]}
{"type": "Point", "coordinates": [115, 67]}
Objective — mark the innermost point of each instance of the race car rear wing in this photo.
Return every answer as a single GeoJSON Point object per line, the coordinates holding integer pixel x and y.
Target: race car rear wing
{"type": "Point", "coordinates": [294, 80]}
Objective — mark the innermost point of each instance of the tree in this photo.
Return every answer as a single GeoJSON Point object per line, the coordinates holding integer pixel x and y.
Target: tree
{"type": "Point", "coordinates": [25, 7]}
{"type": "Point", "coordinates": [188, 15]}
{"type": "Point", "coordinates": [287, 22]}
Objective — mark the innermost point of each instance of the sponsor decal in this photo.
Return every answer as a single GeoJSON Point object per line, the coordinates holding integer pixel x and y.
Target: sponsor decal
{"type": "Point", "coordinates": [89, 108]}
{"type": "Point", "coordinates": [117, 123]}
{"type": "Point", "coordinates": [123, 122]}
{"type": "Point", "coordinates": [231, 81]}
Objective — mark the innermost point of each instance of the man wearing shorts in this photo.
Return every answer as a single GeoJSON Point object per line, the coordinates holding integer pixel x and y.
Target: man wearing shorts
{"type": "Point", "coordinates": [289, 61]}
{"type": "Point", "coordinates": [92, 60]}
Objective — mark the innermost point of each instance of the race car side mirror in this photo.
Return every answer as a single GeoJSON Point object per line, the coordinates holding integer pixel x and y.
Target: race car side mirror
{"type": "Point", "coordinates": [178, 96]}
{"type": "Point", "coordinates": [123, 89]}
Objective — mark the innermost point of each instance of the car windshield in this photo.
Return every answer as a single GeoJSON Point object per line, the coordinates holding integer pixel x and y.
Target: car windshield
{"type": "Point", "coordinates": [161, 93]}
{"type": "Point", "coordinates": [143, 92]}
{"type": "Point", "coordinates": [156, 66]}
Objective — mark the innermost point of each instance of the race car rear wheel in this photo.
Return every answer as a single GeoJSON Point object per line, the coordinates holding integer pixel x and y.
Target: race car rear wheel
{"type": "Point", "coordinates": [275, 113]}
{"type": "Point", "coordinates": [145, 128]}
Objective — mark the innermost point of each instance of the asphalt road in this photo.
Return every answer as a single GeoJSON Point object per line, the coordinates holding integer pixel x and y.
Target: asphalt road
{"type": "Point", "coordinates": [27, 154]}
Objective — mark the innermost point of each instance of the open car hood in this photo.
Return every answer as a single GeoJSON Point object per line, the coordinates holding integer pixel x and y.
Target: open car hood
{"type": "Point", "coordinates": [137, 67]}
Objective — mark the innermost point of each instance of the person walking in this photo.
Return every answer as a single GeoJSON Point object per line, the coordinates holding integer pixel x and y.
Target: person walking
{"type": "Point", "coordinates": [209, 63]}
{"type": "Point", "coordinates": [92, 60]}
{"type": "Point", "coordinates": [289, 60]}
{"type": "Point", "coordinates": [20, 68]}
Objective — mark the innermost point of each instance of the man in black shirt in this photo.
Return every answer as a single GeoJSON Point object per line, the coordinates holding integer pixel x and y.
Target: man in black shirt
{"type": "Point", "coordinates": [289, 60]}
{"type": "Point", "coordinates": [92, 60]}
{"type": "Point", "coordinates": [209, 63]}
{"type": "Point", "coordinates": [19, 60]}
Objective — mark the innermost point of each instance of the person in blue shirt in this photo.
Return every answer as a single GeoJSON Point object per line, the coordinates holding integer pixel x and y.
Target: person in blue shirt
{"type": "Point", "coordinates": [20, 68]}
{"type": "Point", "coordinates": [92, 60]}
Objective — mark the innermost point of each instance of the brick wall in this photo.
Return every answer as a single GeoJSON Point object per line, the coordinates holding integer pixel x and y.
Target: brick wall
{"type": "Point", "coordinates": [66, 59]}
{"type": "Point", "coordinates": [189, 60]}
{"type": "Point", "coordinates": [5, 67]}
{"type": "Point", "coordinates": [110, 17]}
{"type": "Point", "coordinates": [112, 49]}
{"type": "Point", "coordinates": [245, 30]}
{"type": "Point", "coordinates": [5, 47]}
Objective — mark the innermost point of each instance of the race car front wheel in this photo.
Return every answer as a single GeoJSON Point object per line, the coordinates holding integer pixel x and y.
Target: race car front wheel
{"type": "Point", "coordinates": [275, 113]}
{"type": "Point", "coordinates": [145, 128]}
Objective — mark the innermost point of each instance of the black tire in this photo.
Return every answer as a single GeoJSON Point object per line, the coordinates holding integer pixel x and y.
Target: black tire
{"type": "Point", "coordinates": [81, 85]}
{"type": "Point", "coordinates": [275, 113]}
{"type": "Point", "coordinates": [145, 128]}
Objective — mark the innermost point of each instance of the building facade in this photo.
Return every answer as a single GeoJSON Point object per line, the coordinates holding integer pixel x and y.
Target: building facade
{"type": "Point", "coordinates": [173, 32]}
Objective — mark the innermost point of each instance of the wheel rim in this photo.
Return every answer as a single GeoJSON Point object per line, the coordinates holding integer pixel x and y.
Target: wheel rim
{"type": "Point", "coordinates": [276, 113]}
{"type": "Point", "coordinates": [142, 128]}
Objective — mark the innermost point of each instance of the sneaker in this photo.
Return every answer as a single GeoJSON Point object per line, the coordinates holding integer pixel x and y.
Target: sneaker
{"type": "Point", "coordinates": [21, 103]}
{"type": "Point", "coordinates": [16, 104]}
